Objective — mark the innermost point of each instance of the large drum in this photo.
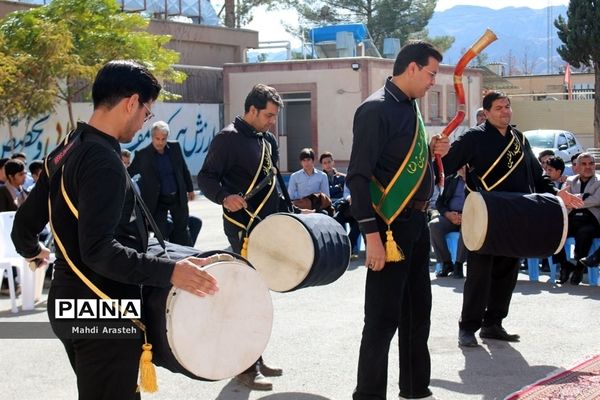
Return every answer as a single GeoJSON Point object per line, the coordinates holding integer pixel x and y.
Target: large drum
{"type": "Point", "coordinates": [514, 224]}
{"type": "Point", "coordinates": [213, 337]}
{"type": "Point", "coordinates": [293, 251]}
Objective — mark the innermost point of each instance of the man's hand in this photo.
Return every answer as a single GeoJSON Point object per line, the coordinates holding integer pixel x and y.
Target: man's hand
{"type": "Point", "coordinates": [375, 252]}
{"type": "Point", "coordinates": [191, 196]}
{"type": "Point", "coordinates": [187, 276]}
{"type": "Point", "coordinates": [234, 202]}
{"type": "Point", "coordinates": [42, 259]}
{"type": "Point", "coordinates": [454, 217]}
{"type": "Point", "coordinates": [570, 200]}
{"type": "Point", "coordinates": [439, 144]}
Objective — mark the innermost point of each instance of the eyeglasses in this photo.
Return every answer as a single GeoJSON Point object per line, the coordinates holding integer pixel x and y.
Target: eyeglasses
{"type": "Point", "coordinates": [430, 72]}
{"type": "Point", "coordinates": [149, 114]}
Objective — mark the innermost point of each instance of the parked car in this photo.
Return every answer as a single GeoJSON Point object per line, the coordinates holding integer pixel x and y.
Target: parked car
{"type": "Point", "coordinates": [563, 143]}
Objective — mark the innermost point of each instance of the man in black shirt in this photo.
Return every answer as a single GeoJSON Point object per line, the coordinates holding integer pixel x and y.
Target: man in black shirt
{"type": "Point", "coordinates": [240, 159]}
{"type": "Point", "coordinates": [388, 131]}
{"type": "Point", "coordinates": [498, 158]}
{"type": "Point", "coordinates": [99, 230]}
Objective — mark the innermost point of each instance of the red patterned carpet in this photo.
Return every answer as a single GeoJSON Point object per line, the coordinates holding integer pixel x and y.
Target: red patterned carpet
{"type": "Point", "coordinates": [581, 382]}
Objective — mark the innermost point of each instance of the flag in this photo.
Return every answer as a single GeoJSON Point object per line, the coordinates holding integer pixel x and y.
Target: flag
{"type": "Point", "coordinates": [568, 81]}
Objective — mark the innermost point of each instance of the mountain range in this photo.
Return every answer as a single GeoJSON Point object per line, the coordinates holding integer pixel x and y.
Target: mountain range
{"type": "Point", "coordinates": [522, 35]}
{"type": "Point", "coordinates": [522, 45]}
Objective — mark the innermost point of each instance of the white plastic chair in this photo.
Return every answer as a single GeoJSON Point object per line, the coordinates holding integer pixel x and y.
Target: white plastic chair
{"type": "Point", "coordinates": [6, 265]}
{"type": "Point", "coordinates": [32, 282]}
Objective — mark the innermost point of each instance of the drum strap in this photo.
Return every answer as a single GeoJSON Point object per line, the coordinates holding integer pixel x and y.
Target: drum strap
{"type": "Point", "coordinates": [265, 166]}
{"type": "Point", "coordinates": [506, 163]}
{"type": "Point", "coordinates": [147, 369]}
{"type": "Point", "coordinates": [390, 201]}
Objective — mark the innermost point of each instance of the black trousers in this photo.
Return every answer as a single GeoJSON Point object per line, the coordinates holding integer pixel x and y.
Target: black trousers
{"type": "Point", "coordinates": [583, 230]}
{"type": "Point", "coordinates": [398, 298]}
{"type": "Point", "coordinates": [488, 290]}
{"type": "Point", "coordinates": [179, 215]}
{"type": "Point", "coordinates": [106, 369]}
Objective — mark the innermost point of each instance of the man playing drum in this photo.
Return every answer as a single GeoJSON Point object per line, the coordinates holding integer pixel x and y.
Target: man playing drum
{"type": "Point", "coordinates": [391, 180]}
{"type": "Point", "coordinates": [99, 232]}
{"type": "Point", "coordinates": [238, 174]}
{"type": "Point", "coordinates": [498, 158]}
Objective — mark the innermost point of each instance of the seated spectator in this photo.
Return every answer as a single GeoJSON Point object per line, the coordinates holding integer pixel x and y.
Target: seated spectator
{"type": "Point", "coordinates": [340, 198]}
{"type": "Point", "coordinates": [584, 223]}
{"type": "Point", "coordinates": [480, 116]}
{"type": "Point", "coordinates": [126, 157]}
{"type": "Point", "coordinates": [544, 156]}
{"type": "Point", "coordinates": [449, 205]}
{"type": "Point", "coordinates": [571, 170]}
{"type": "Point", "coordinates": [308, 181]}
{"type": "Point", "coordinates": [28, 178]}
{"type": "Point", "coordinates": [555, 167]}
{"type": "Point", "coordinates": [35, 168]}
{"type": "Point", "coordinates": [2, 174]}
{"type": "Point", "coordinates": [336, 179]}
{"type": "Point", "coordinates": [12, 194]}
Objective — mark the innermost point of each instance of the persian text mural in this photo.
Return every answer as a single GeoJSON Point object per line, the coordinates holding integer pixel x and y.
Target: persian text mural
{"type": "Point", "coordinates": [193, 125]}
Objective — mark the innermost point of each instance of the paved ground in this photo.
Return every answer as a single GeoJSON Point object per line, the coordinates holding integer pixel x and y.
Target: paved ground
{"type": "Point", "coordinates": [316, 335]}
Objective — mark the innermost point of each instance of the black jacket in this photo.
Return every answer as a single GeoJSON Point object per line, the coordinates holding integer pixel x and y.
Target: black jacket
{"type": "Point", "coordinates": [231, 164]}
{"type": "Point", "coordinates": [104, 241]}
{"type": "Point", "coordinates": [443, 200]}
{"type": "Point", "coordinates": [144, 164]}
{"type": "Point", "coordinates": [480, 146]}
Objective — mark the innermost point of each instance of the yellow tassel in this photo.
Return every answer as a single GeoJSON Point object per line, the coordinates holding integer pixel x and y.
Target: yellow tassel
{"type": "Point", "coordinates": [147, 370]}
{"type": "Point", "coordinates": [244, 252]}
{"type": "Point", "coordinates": [393, 253]}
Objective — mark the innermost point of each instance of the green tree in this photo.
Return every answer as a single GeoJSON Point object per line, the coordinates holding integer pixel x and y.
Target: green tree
{"type": "Point", "coordinates": [384, 18]}
{"type": "Point", "coordinates": [85, 34]}
{"type": "Point", "coordinates": [579, 34]}
{"type": "Point", "coordinates": [442, 43]}
{"type": "Point", "coordinates": [238, 13]}
{"type": "Point", "coordinates": [29, 87]}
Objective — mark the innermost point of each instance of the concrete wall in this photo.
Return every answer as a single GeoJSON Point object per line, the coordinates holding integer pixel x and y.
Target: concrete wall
{"type": "Point", "coordinates": [336, 91]}
{"type": "Point", "coordinates": [576, 116]}
{"type": "Point", "coordinates": [204, 45]}
{"type": "Point", "coordinates": [193, 125]}
{"type": "Point", "coordinates": [542, 84]}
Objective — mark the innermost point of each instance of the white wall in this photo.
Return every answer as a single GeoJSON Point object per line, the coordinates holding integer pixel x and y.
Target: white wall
{"type": "Point", "coordinates": [193, 125]}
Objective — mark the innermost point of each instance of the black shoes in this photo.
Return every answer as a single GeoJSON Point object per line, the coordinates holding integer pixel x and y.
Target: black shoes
{"type": "Point", "coordinates": [467, 339]}
{"type": "Point", "coordinates": [577, 276]}
{"type": "Point", "coordinates": [458, 270]}
{"type": "Point", "coordinates": [591, 261]}
{"type": "Point", "coordinates": [566, 268]}
{"type": "Point", "coordinates": [447, 267]}
{"type": "Point", "coordinates": [497, 332]}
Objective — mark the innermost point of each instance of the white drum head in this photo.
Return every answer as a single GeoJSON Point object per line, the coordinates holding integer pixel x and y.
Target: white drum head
{"type": "Point", "coordinates": [474, 224]}
{"type": "Point", "coordinates": [282, 251]}
{"type": "Point", "coordinates": [217, 337]}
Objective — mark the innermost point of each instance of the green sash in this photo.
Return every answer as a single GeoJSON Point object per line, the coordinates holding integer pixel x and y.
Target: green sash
{"type": "Point", "coordinates": [504, 165]}
{"type": "Point", "coordinates": [390, 201]}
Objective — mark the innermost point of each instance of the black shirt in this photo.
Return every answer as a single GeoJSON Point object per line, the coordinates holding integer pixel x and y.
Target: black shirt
{"type": "Point", "coordinates": [231, 163]}
{"type": "Point", "coordinates": [384, 128]}
{"type": "Point", "coordinates": [105, 241]}
{"type": "Point", "coordinates": [481, 146]}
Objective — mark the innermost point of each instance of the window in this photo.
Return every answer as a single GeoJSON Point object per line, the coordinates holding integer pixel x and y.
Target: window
{"type": "Point", "coordinates": [451, 104]}
{"type": "Point", "coordinates": [571, 140]}
{"type": "Point", "coordinates": [434, 106]}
